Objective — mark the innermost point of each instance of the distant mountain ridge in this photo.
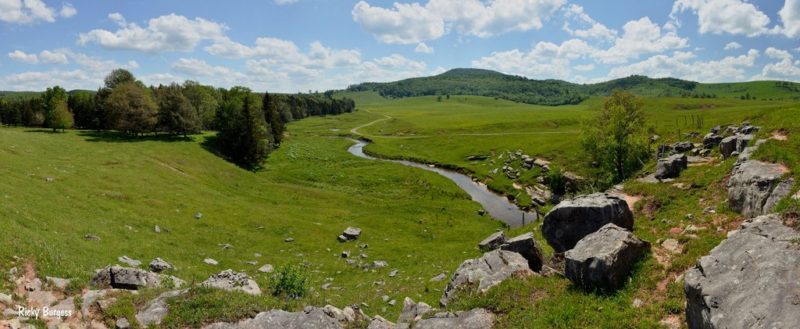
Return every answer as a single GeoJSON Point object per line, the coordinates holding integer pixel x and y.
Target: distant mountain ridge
{"type": "Point", "coordinates": [481, 82]}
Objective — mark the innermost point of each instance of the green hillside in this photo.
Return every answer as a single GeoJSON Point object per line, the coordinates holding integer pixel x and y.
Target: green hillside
{"type": "Point", "coordinates": [479, 82]}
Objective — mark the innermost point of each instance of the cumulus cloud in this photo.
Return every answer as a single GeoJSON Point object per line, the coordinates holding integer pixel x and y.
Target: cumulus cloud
{"type": "Point", "coordinates": [285, 2]}
{"type": "Point", "coordinates": [782, 69]}
{"type": "Point", "coordinates": [21, 56]}
{"type": "Point", "coordinates": [165, 33]}
{"type": "Point", "coordinates": [640, 37]}
{"type": "Point", "coordinates": [413, 23]}
{"type": "Point", "coordinates": [732, 45]}
{"type": "Point", "coordinates": [790, 16]}
{"type": "Point", "coordinates": [545, 60]}
{"type": "Point", "coordinates": [89, 74]}
{"type": "Point", "coordinates": [595, 30]}
{"type": "Point", "coordinates": [423, 48]}
{"type": "Point", "coordinates": [683, 65]}
{"type": "Point", "coordinates": [53, 57]}
{"type": "Point", "coordinates": [30, 11]}
{"type": "Point", "coordinates": [725, 16]}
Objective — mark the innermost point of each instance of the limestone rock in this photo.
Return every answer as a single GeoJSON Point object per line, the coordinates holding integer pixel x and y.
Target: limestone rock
{"type": "Point", "coordinates": [155, 310]}
{"type": "Point", "coordinates": [526, 246]}
{"type": "Point", "coordinates": [159, 265]}
{"type": "Point", "coordinates": [750, 280]}
{"type": "Point", "coordinates": [311, 318]}
{"type": "Point", "coordinates": [755, 187]}
{"type": "Point", "coordinates": [352, 233]}
{"type": "Point", "coordinates": [129, 261]}
{"type": "Point", "coordinates": [711, 140]}
{"type": "Point", "coordinates": [126, 278]}
{"type": "Point", "coordinates": [485, 272]}
{"type": "Point", "coordinates": [571, 220]}
{"type": "Point", "coordinates": [671, 166]}
{"type": "Point", "coordinates": [604, 258]}
{"type": "Point", "coordinates": [413, 311]}
{"type": "Point", "coordinates": [230, 280]}
{"type": "Point", "coordinates": [267, 268]}
{"type": "Point", "coordinates": [492, 242]}
{"type": "Point", "coordinates": [474, 319]}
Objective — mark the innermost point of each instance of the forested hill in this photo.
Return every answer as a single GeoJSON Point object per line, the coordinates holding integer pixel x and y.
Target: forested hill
{"type": "Point", "coordinates": [488, 83]}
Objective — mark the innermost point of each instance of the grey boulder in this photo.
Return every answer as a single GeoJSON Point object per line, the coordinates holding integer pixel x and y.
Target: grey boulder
{"type": "Point", "coordinates": [310, 318]}
{"type": "Point", "coordinates": [727, 146]}
{"type": "Point", "coordinates": [602, 260]}
{"type": "Point", "coordinates": [671, 166]}
{"type": "Point", "coordinates": [485, 272]}
{"type": "Point", "coordinates": [750, 280]}
{"type": "Point", "coordinates": [682, 147]}
{"type": "Point", "coordinates": [755, 187]}
{"type": "Point", "coordinates": [131, 278]}
{"type": "Point", "coordinates": [474, 319]}
{"type": "Point", "coordinates": [156, 310]}
{"type": "Point", "coordinates": [232, 281]}
{"type": "Point", "coordinates": [413, 311]}
{"type": "Point", "coordinates": [526, 246]}
{"type": "Point", "coordinates": [711, 140]}
{"type": "Point", "coordinates": [492, 242]}
{"type": "Point", "coordinates": [352, 233]}
{"type": "Point", "coordinates": [571, 220]}
{"type": "Point", "coordinates": [159, 265]}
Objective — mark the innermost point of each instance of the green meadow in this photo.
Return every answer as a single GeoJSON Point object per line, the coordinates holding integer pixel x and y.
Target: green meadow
{"type": "Point", "coordinates": [311, 189]}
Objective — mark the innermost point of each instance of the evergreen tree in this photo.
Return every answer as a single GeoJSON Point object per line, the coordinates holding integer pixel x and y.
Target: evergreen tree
{"type": "Point", "coordinates": [175, 113]}
{"type": "Point", "coordinates": [273, 117]}
{"type": "Point", "coordinates": [244, 134]}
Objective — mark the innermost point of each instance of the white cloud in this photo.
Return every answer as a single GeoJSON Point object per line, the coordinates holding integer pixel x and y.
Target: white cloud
{"type": "Point", "coordinates": [544, 60]}
{"type": "Point", "coordinates": [596, 30]}
{"type": "Point", "coordinates": [775, 53]}
{"type": "Point", "coordinates": [53, 57]}
{"type": "Point", "coordinates": [790, 16]}
{"type": "Point", "coordinates": [89, 75]}
{"type": "Point", "coordinates": [285, 2]}
{"type": "Point", "coordinates": [584, 67]}
{"type": "Point", "coordinates": [640, 37]}
{"type": "Point", "coordinates": [683, 65]}
{"type": "Point", "coordinates": [31, 11]}
{"type": "Point", "coordinates": [21, 56]}
{"type": "Point", "coordinates": [423, 48]}
{"type": "Point", "coordinates": [404, 24]}
{"type": "Point", "coordinates": [725, 16]}
{"type": "Point", "coordinates": [413, 23]}
{"type": "Point", "coordinates": [67, 10]}
{"type": "Point", "coordinates": [165, 33]}
{"type": "Point", "coordinates": [783, 69]}
{"type": "Point", "coordinates": [732, 45]}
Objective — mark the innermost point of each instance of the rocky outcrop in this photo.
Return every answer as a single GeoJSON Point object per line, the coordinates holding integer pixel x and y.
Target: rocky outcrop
{"type": "Point", "coordinates": [571, 220]}
{"type": "Point", "coordinates": [156, 310]}
{"type": "Point", "coordinates": [474, 319]}
{"type": "Point", "coordinates": [485, 272]}
{"type": "Point", "coordinates": [413, 311]}
{"type": "Point", "coordinates": [492, 242]}
{"type": "Point", "coordinates": [132, 278]}
{"type": "Point", "coordinates": [671, 166]}
{"type": "Point", "coordinates": [230, 280]}
{"type": "Point", "coordinates": [755, 187]}
{"type": "Point", "coordinates": [526, 246]}
{"type": "Point", "coordinates": [602, 260]}
{"type": "Point", "coordinates": [711, 140]}
{"type": "Point", "coordinates": [751, 280]}
{"type": "Point", "coordinates": [681, 147]}
{"type": "Point", "coordinates": [727, 146]}
{"type": "Point", "coordinates": [310, 318]}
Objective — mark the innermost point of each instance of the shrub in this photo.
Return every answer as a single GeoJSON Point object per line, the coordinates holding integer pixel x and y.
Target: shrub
{"type": "Point", "coordinates": [289, 281]}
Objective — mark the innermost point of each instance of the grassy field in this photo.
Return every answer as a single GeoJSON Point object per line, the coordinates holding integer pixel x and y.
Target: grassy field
{"type": "Point", "coordinates": [311, 189]}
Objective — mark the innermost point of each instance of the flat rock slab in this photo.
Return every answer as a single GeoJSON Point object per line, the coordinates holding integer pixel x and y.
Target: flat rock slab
{"type": "Point", "coordinates": [156, 310]}
{"type": "Point", "coordinates": [351, 233]}
{"type": "Point", "coordinates": [485, 272]}
{"type": "Point", "coordinates": [755, 187]}
{"type": "Point", "coordinates": [129, 278]}
{"type": "Point", "coordinates": [474, 319]}
{"type": "Point", "coordinates": [230, 281]}
{"type": "Point", "coordinates": [571, 220]}
{"type": "Point", "coordinates": [311, 318]}
{"type": "Point", "coordinates": [750, 280]}
{"type": "Point", "coordinates": [603, 259]}
{"type": "Point", "coordinates": [492, 242]}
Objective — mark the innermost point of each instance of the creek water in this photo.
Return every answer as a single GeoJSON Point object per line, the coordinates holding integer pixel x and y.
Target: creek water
{"type": "Point", "coordinates": [496, 205]}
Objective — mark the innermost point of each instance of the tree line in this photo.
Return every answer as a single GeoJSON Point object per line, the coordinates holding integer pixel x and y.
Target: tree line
{"type": "Point", "coordinates": [248, 125]}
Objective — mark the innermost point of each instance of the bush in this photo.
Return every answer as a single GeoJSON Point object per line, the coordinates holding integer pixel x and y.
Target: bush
{"type": "Point", "coordinates": [289, 281]}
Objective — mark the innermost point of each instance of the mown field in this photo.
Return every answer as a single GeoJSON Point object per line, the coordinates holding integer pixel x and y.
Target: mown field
{"type": "Point", "coordinates": [311, 189]}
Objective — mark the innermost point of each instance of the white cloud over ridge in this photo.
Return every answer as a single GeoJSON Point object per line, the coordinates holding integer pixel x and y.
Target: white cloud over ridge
{"type": "Point", "coordinates": [413, 23]}
{"type": "Point", "coordinates": [31, 11]}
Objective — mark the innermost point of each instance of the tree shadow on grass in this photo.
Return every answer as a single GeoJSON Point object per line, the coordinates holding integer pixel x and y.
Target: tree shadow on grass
{"type": "Point", "coordinates": [120, 137]}
{"type": "Point", "coordinates": [210, 144]}
{"type": "Point", "coordinates": [43, 130]}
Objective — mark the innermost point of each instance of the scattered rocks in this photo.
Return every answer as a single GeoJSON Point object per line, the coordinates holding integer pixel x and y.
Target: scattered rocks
{"type": "Point", "coordinates": [571, 220]}
{"type": "Point", "coordinates": [671, 166]}
{"type": "Point", "coordinates": [474, 319]}
{"type": "Point", "coordinates": [58, 282]}
{"type": "Point", "coordinates": [604, 259]}
{"type": "Point", "coordinates": [492, 242]}
{"type": "Point", "coordinates": [310, 318]}
{"type": "Point", "coordinates": [129, 261]}
{"type": "Point", "coordinates": [210, 261]}
{"type": "Point", "coordinates": [352, 233]}
{"type": "Point", "coordinates": [486, 272]}
{"type": "Point", "coordinates": [232, 281]}
{"type": "Point", "coordinates": [672, 246]}
{"type": "Point", "coordinates": [158, 265]}
{"type": "Point", "coordinates": [750, 280]}
{"type": "Point", "coordinates": [755, 187]}
{"type": "Point", "coordinates": [267, 268]}
{"type": "Point", "coordinates": [131, 278]}
{"type": "Point", "coordinates": [681, 147]}
{"type": "Point", "coordinates": [526, 246]}
{"type": "Point", "coordinates": [711, 140]}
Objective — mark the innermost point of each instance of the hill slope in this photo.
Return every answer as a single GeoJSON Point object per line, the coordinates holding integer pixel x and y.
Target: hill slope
{"type": "Point", "coordinates": [488, 83]}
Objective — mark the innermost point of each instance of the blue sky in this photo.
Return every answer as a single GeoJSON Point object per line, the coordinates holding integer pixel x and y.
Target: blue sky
{"type": "Point", "coordinates": [300, 45]}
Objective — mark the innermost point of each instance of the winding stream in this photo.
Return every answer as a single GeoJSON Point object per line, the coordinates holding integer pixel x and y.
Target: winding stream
{"type": "Point", "coordinates": [496, 205]}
